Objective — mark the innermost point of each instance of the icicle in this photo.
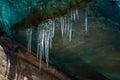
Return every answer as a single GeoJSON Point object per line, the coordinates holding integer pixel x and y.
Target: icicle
{"type": "Point", "coordinates": [52, 28]}
{"type": "Point", "coordinates": [77, 14]}
{"type": "Point", "coordinates": [43, 42]}
{"type": "Point", "coordinates": [51, 40]}
{"type": "Point", "coordinates": [86, 21]}
{"type": "Point", "coordinates": [70, 32]}
{"type": "Point", "coordinates": [74, 15]}
{"type": "Point", "coordinates": [38, 42]}
{"type": "Point", "coordinates": [47, 34]}
{"type": "Point", "coordinates": [65, 24]}
{"type": "Point", "coordinates": [40, 49]}
{"type": "Point", "coordinates": [71, 15]}
{"type": "Point", "coordinates": [68, 26]}
{"type": "Point", "coordinates": [42, 45]}
{"type": "Point", "coordinates": [39, 45]}
{"type": "Point", "coordinates": [62, 25]}
{"type": "Point", "coordinates": [29, 38]}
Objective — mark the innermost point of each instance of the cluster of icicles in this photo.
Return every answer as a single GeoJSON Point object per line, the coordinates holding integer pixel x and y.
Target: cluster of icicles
{"type": "Point", "coordinates": [46, 31]}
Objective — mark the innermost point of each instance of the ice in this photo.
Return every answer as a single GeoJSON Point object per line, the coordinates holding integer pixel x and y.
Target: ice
{"type": "Point", "coordinates": [71, 15]}
{"type": "Point", "coordinates": [77, 14]}
{"type": "Point", "coordinates": [70, 32]}
{"type": "Point", "coordinates": [47, 46]}
{"type": "Point", "coordinates": [53, 27]}
{"type": "Point", "coordinates": [46, 32]}
{"type": "Point", "coordinates": [62, 25]}
{"type": "Point", "coordinates": [38, 42]}
{"type": "Point", "coordinates": [68, 26]}
{"type": "Point", "coordinates": [45, 39]}
{"type": "Point", "coordinates": [74, 15]}
{"type": "Point", "coordinates": [65, 24]}
{"type": "Point", "coordinates": [29, 38]}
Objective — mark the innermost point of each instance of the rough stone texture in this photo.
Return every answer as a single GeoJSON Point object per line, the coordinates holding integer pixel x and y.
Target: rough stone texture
{"type": "Point", "coordinates": [13, 67]}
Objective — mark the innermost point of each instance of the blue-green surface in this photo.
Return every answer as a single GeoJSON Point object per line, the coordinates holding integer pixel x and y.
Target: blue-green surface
{"type": "Point", "coordinates": [94, 56]}
{"type": "Point", "coordinates": [110, 9]}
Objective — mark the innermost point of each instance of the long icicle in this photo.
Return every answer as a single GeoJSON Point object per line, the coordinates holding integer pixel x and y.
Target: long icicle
{"type": "Point", "coordinates": [77, 14]}
{"type": "Point", "coordinates": [47, 34]}
{"type": "Point", "coordinates": [29, 39]}
{"type": "Point", "coordinates": [65, 24]}
{"type": "Point", "coordinates": [42, 45]}
{"type": "Point", "coordinates": [71, 15]}
{"type": "Point", "coordinates": [68, 27]}
{"type": "Point", "coordinates": [38, 42]}
{"type": "Point", "coordinates": [70, 32]}
{"type": "Point", "coordinates": [74, 15]}
{"type": "Point", "coordinates": [51, 28]}
{"type": "Point", "coordinates": [86, 20]}
{"type": "Point", "coordinates": [62, 25]}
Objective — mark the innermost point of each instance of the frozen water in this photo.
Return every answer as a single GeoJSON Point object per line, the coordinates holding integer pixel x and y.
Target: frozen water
{"type": "Point", "coordinates": [29, 38]}
{"type": "Point", "coordinates": [77, 14]}
{"type": "Point", "coordinates": [44, 40]}
{"type": "Point", "coordinates": [46, 32]}
{"type": "Point", "coordinates": [66, 22]}
{"type": "Point", "coordinates": [86, 20]}
{"type": "Point", "coordinates": [70, 32]}
{"type": "Point", "coordinates": [62, 25]}
{"type": "Point", "coordinates": [47, 35]}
